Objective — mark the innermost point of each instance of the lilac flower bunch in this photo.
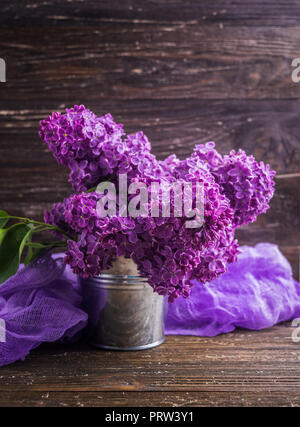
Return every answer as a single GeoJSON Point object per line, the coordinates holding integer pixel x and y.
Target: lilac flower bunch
{"type": "Point", "coordinates": [248, 185]}
{"type": "Point", "coordinates": [236, 190]}
{"type": "Point", "coordinates": [95, 148]}
{"type": "Point", "coordinates": [165, 251]}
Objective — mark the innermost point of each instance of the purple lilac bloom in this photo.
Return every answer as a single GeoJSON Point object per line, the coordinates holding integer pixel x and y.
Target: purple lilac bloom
{"type": "Point", "coordinates": [95, 148]}
{"type": "Point", "coordinates": [247, 184]}
{"type": "Point", "coordinates": [171, 256]}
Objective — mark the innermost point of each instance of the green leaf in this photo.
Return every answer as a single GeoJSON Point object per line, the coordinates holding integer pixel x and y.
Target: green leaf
{"type": "Point", "coordinates": [33, 250]}
{"type": "Point", "coordinates": [11, 249]}
{"type": "Point", "coordinates": [2, 233]}
{"type": "Point", "coordinates": [29, 250]}
{"type": "Point", "coordinates": [3, 221]}
{"type": "Point", "coordinates": [26, 238]}
{"type": "Point", "coordinates": [28, 255]}
{"type": "Point", "coordinates": [32, 254]}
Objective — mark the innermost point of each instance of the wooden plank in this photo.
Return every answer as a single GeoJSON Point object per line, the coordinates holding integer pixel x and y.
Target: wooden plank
{"type": "Point", "coordinates": [148, 399]}
{"type": "Point", "coordinates": [245, 361]}
{"type": "Point", "coordinates": [138, 60]}
{"type": "Point", "coordinates": [281, 224]}
{"type": "Point", "coordinates": [241, 12]}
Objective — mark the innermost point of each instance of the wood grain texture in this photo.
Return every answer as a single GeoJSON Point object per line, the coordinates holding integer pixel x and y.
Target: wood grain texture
{"type": "Point", "coordinates": [239, 12]}
{"type": "Point", "coordinates": [149, 399]}
{"type": "Point", "coordinates": [137, 60]}
{"type": "Point", "coordinates": [242, 368]}
{"type": "Point", "coordinates": [268, 129]}
{"type": "Point", "coordinates": [184, 72]}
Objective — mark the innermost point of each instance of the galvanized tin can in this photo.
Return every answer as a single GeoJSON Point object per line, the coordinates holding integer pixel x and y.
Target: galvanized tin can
{"type": "Point", "coordinates": [124, 312]}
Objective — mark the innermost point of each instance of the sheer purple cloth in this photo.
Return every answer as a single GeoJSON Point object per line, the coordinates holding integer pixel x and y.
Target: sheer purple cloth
{"type": "Point", "coordinates": [257, 292]}
{"type": "Point", "coordinates": [41, 303]}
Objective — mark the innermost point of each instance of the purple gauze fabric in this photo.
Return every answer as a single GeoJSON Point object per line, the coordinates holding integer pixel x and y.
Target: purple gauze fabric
{"type": "Point", "coordinates": [257, 292]}
{"type": "Point", "coordinates": [41, 303]}
{"type": "Point", "coordinates": [38, 304]}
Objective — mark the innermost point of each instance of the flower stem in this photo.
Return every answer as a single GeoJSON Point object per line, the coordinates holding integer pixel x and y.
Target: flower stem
{"type": "Point", "coordinates": [48, 226]}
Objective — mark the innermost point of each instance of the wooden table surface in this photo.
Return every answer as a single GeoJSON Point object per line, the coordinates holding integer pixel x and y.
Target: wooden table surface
{"type": "Point", "coordinates": [243, 368]}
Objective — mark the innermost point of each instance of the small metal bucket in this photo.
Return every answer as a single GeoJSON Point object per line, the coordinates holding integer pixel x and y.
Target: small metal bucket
{"type": "Point", "coordinates": [124, 312]}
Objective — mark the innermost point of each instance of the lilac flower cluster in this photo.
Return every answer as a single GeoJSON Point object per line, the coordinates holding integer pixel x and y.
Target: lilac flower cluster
{"type": "Point", "coordinates": [95, 148]}
{"type": "Point", "coordinates": [170, 255]}
{"type": "Point", "coordinates": [248, 185]}
{"type": "Point", "coordinates": [165, 251]}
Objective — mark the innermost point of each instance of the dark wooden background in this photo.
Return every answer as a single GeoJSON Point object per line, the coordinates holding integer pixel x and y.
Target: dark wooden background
{"type": "Point", "coordinates": [182, 71]}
